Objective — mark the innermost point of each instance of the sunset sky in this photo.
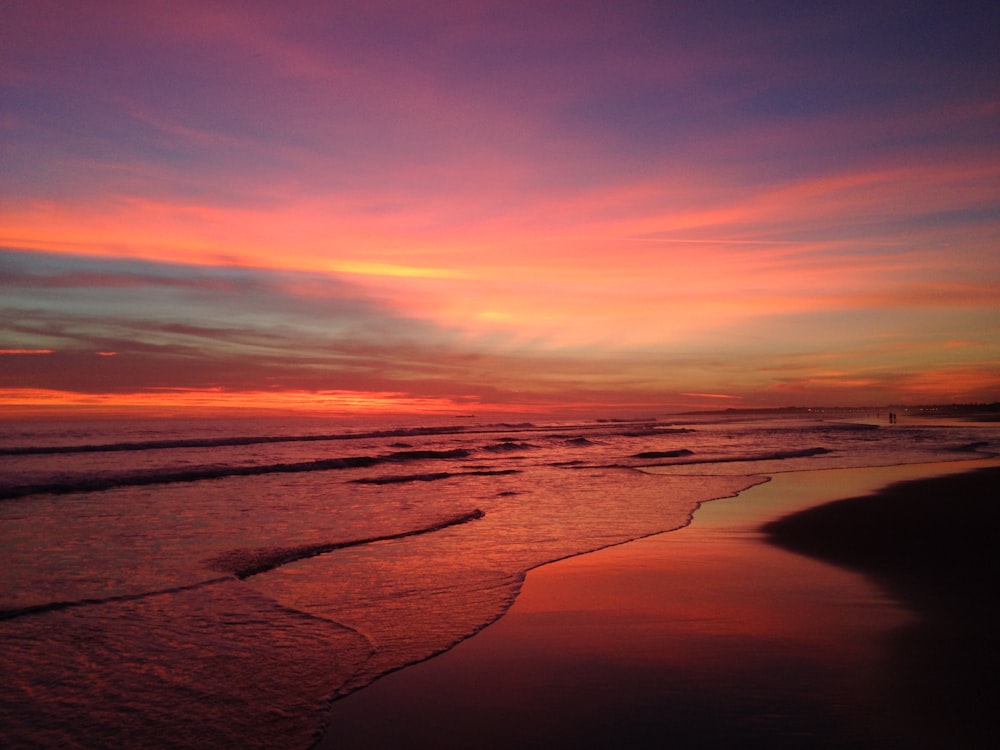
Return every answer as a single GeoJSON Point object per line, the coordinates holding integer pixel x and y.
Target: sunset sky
{"type": "Point", "coordinates": [486, 206]}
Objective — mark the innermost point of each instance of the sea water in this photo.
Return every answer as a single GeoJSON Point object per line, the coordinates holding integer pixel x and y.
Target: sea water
{"type": "Point", "coordinates": [217, 583]}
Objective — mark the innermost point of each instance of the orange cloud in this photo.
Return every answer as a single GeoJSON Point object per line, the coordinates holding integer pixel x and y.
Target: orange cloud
{"type": "Point", "coordinates": [192, 400]}
{"type": "Point", "coordinates": [652, 204]}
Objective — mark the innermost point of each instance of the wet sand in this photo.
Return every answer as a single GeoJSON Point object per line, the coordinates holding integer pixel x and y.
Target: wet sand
{"type": "Point", "coordinates": [932, 545]}
{"type": "Point", "coordinates": [716, 636]}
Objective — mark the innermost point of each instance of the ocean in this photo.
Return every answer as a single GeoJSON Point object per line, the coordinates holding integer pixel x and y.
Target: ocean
{"type": "Point", "coordinates": [177, 583]}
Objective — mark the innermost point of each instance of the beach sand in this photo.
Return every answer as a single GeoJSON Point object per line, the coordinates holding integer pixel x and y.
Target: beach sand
{"type": "Point", "coordinates": [713, 636]}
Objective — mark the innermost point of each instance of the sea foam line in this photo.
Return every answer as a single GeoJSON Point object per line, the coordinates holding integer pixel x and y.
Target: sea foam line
{"type": "Point", "coordinates": [246, 563]}
{"type": "Point", "coordinates": [149, 445]}
{"type": "Point", "coordinates": [108, 482]}
{"type": "Point", "coordinates": [745, 458]}
{"type": "Point", "coordinates": [243, 564]}
{"type": "Point", "coordinates": [434, 476]}
{"type": "Point", "coordinates": [643, 427]}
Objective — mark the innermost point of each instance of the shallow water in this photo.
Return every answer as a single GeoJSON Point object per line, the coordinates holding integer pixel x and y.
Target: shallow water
{"type": "Point", "coordinates": [706, 637]}
{"type": "Point", "coordinates": [242, 574]}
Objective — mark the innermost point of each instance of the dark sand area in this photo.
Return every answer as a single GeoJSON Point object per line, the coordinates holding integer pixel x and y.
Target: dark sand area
{"type": "Point", "coordinates": [932, 544]}
{"type": "Point", "coordinates": [875, 632]}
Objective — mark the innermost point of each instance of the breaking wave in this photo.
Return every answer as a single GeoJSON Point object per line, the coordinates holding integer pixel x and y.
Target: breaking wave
{"type": "Point", "coordinates": [749, 457]}
{"type": "Point", "coordinates": [221, 442]}
{"type": "Point", "coordinates": [434, 476]}
{"type": "Point", "coordinates": [169, 476]}
{"type": "Point", "coordinates": [244, 563]}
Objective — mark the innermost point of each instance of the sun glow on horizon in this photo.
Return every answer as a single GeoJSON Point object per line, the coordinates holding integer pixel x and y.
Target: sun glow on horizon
{"type": "Point", "coordinates": [192, 400]}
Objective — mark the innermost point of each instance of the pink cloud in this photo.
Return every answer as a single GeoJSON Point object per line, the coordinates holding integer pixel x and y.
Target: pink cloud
{"type": "Point", "coordinates": [646, 199]}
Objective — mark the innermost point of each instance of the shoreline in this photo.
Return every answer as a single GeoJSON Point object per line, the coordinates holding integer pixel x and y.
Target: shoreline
{"type": "Point", "coordinates": [696, 637]}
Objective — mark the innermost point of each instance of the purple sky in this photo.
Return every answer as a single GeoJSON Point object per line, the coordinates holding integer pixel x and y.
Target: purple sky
{"type": "Point", "coordinates": [499, 205]}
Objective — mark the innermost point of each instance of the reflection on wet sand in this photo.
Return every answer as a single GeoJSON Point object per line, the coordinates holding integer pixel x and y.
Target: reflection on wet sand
{"type": "Point", "coordinates": [703, 637]}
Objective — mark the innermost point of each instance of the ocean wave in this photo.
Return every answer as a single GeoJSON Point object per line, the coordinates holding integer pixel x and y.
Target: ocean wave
{"type": "Point", "coordinates": [244, 440]}
{"type": "Point", "coordinates": [654, 431]}
{"type": "Point", "coordinates": [433, 476]}
{"type": "Point", "coordinates": [769, 456]}
{"type": "Point", "coordinates": [506, 445]}
{"type": "Point", "coordinates": [664, 454]}
{"type": "Point", "coordinates": [244, 563]}
{"type": "Point", "coordinates": [975, 447]}
{"type": "Point", "coordinates": [221, 442]}
{"type": "Point", "coordinates": [849, 426]}
{"type": "Point", "coordinates": [38, 609]}
{"type": "Point", "coordinates": [577, 440]}
{"type": "Point", "coordinates": [104, 482]}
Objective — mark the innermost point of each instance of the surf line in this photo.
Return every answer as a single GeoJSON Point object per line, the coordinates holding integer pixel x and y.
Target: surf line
{"type": "Point", "coordinates": [102, 483]}
{"type": "Point", "coordinates": [151, 445]}
{"type": "Point", "coordinates": [38, 609]}
{"type": "Point", "coordinates": [248, 563]}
